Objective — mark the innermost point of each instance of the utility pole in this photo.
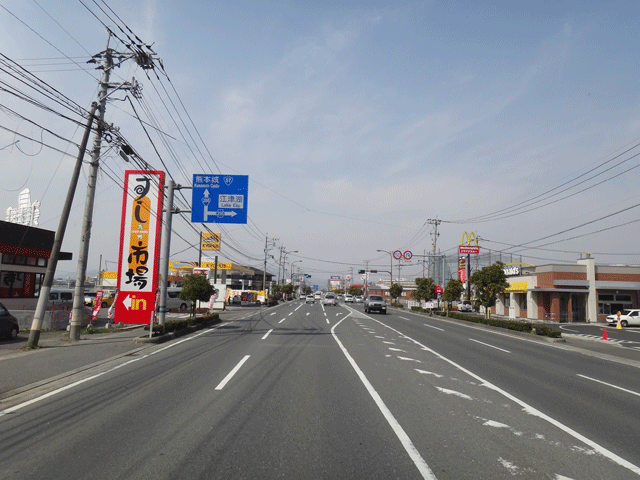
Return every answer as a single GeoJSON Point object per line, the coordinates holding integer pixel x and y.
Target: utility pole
{"type": "Point", "coordinates": [435, 234]}
{"type": "Point", "coordinates": [36, 325]}
{"type": "Point", "coordinates": [266, 252]}
{"type": "Point", "coordinates": [78, 299]}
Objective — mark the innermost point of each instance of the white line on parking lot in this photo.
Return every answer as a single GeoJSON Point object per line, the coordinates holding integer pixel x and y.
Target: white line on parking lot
{"type": "Point", "coordinates": [497, 348]}
{"type": "Point", "coordinates": [267, 334]}
{"type": "Point", "coordinates": [609, 385]}
{"type": "Point", "coordinates": [232, 373]}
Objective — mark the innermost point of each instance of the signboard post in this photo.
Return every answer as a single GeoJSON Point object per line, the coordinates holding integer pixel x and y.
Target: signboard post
{"type": "Point", "coordinates": [219, 198]}
{"type": "Point", "coordinates": [139, 246]}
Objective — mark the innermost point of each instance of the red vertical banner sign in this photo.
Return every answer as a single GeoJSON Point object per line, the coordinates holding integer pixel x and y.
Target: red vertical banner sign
{"type": "Point", "coordinates": [139, 246]}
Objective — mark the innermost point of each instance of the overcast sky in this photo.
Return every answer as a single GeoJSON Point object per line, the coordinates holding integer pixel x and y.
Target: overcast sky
{"type": "Point", "coordinates": [356, 122]}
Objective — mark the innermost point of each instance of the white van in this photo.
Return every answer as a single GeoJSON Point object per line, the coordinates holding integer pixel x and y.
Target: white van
{"type": "Point", "coordinates": [176, 303]}
{"type": "Point", "coordinates": [58, 296]}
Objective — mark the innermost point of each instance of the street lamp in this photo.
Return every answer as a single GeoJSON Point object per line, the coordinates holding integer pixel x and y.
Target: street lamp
{"type": "Point", "coordinates": [284, 263]}
{"type": "Point", "coordinates": [390, 265]}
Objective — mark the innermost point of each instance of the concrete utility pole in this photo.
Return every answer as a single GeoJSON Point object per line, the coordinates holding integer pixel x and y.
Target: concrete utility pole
{"type": "Point", "coordinates": [85, 235]}
{"type": "Point", "coordinates": [43, 299]}
{"type": "Point", "coordinates": [164, 254]}
{"type": "Point", "coordinates": [266, 253]}
{"type": "Point", "coordinates": [435, 234]}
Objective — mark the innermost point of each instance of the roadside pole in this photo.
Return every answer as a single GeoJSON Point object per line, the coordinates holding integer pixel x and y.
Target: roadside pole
{"type": "Point", "coordinates": [78, 299]}
{"type": "Point", "coordinates": [43, 299]}
{"type": "Point", "coordinates": [164, 254]}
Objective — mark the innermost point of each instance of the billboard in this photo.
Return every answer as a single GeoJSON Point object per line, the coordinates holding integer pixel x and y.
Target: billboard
{"type": "Point", "coordinates": [139, 246]}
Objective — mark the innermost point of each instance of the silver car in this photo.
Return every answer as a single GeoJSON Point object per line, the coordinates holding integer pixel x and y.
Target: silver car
{"type": "Point", "coordinates": [329, 299]}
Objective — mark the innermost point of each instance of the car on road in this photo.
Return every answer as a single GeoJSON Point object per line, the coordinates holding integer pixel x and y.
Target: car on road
{"type": "Point", "coordinates": [8, 324]}
{"type": "Point", "coordinates": [627, 317]}
{"type": "Point", "coordinates": [358, 299]}
{"type": "Point", "coordinates": [465, 306]}
{"type": "Point", "coordinates": [318, 296]}
{"type": "Point", "coordinates": [348, 298]}
{"type": "Point", "coordinates": [375, 303]}
{"type": "Point", "coordinates": [89, 298]}
{"type": "Point", "coordinates": [329, 299]}
{"type": "Point", "coordinates": [310, 299]}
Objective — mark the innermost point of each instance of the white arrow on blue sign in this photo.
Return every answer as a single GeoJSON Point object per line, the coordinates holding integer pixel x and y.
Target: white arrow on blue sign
{"type": "Point", "coordinates": [219, 198]}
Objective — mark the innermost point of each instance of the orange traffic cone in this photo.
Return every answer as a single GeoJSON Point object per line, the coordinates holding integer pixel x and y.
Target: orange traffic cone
{"type": "Point", "coordinates": [604, 334]}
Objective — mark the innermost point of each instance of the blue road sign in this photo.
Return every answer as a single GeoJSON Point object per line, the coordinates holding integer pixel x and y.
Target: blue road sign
{"type": "Point", "coordinates": [219, 198]}
{"type": "Point", "coordinates": [315, 287]}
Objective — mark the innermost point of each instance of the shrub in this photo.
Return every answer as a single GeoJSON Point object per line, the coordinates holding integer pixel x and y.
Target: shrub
{"type": "Point", "coordinates": [397, 305]}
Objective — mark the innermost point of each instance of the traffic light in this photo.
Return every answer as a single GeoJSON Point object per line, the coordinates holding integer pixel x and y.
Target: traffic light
{"type": "Point", "coordinates": [360, 271]}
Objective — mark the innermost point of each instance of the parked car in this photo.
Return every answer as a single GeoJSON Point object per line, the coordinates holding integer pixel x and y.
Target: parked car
{"type": "Point", "coordinates": [108, 298]}
{"type": "Point", "coordinates": [627, 317]}
{"type": "Point", "coordinates": [8, 324]}
{"type": "Point", "coordinates": [329, 299]}
{"type": "Point", "coordinates": [310, 299]}
{"type": "Point", "coordinates": [375, 303]}
{"type": "Point", "coordinates": [348, 298]}
{"type": "Point", "coordinates": [465, 306]}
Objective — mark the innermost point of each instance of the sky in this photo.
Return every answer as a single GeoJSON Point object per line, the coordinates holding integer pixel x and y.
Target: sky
{"type": "Point", "coordinates": [357, 123]}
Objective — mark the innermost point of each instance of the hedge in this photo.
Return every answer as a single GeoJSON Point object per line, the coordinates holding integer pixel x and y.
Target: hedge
{"type": "Point", "coordinates": [527, 327]}
{"type": "Point", "coordinates": [183, 324]}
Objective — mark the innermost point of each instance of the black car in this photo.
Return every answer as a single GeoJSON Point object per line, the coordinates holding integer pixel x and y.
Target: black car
{"type": "Point", "coordinates": [8, 324]}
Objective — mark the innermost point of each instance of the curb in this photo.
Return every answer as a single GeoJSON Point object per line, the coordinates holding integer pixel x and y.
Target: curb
{"type": "Point", "coordinates": [173, 335]}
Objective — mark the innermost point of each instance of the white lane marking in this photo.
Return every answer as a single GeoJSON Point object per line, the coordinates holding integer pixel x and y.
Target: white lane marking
{"type": "Point", "coordinates": [431, 326]}
{"type": "Point", "coordinates": [397, 349]}
{"type": "Point", "coordinates": [528, 408]}
{"type": "Point", "coordinates": [282, 320]}
{"type": "Point", "coordinates": [609, 385]}
{"type": "Point", "coordinates": [562, 327]}
{"type": "Point", "coordinates": [437, 375]}
{"type": "Point", "coordinates": [337, 314]}
{"type": "Point", "coordinates": [409, 359]}
{"type": "Point", "coordinates": [308, 313]}
{"type": "Point", "coordinates": [272, 313]}
{"type": "Point", "coordinates": [406, 442]}
{"type": "Point", "coordinates": [453, 392]}
{"type": "Point", "coordinates": [232, 373]}
{"type": "Point", "coordinates": [80, 382]}
{"type": "Point", "coordinates": [290, 314]}
{"type": "Point", "coordinates": [486, 344]}
{"type": "Point", "coordinates": [298, 307]}
{"type": "Point", "coordinates": [267, 334]}
{"type": "Point", "coordinates": [389, 343]}
{"type": "Point", "coordinates": [328, 321]}
{"type": "Point", "coordinates": [378, 336]}
{"type": "Point", "coordinates": [404, 318]}
{"type": "Point", "coordinates": [494, 424]}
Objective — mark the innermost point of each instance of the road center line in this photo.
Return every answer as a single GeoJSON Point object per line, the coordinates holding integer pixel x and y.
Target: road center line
{"type": "Point", "coordinates": [431, 326]}
{"type": "Point", "coordinates": [486, 344]}
{"type": "Point", "coordinates": [406, 442]}
{"type": "Point", "coordinates": [609, 385]}
{"type": "Point", "coordinates": [282, 320]}
{"type": "Point", "coordinates": [267, 334]}
{"type": "Point", "coordinates": [232, 373]}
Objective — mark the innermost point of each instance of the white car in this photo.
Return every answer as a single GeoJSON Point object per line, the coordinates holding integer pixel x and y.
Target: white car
{"type": "Point", "coordinates": [348, 298]}
{"type": "Point", "coordinates": [627, 317]}
{"type": "Point", "coordinates": [329, 299]}
{"type": "Point", "coordinates": [310, 299]}
{"type": "Point", "coordinates": [465, 306]}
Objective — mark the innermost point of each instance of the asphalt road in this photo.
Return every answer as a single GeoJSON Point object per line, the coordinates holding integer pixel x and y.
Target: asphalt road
{"type": "Point", "coordinates": [303, 391]}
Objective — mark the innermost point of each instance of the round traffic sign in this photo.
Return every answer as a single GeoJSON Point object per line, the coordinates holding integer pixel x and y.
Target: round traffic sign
{"type": "Point", "coordinates": [397, 254]}
{"type": "Point", "coordinates": [407, 255]}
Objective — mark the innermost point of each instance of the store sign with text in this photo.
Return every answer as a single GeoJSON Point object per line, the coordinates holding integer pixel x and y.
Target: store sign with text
{"type": "Point", "coordinates": [139, 246]}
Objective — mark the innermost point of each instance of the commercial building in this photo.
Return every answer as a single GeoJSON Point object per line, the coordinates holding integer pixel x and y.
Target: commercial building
{"type": "Point", "coordinates": [584, 292]}
{"type": "Point", "coordinates": [25, 253]}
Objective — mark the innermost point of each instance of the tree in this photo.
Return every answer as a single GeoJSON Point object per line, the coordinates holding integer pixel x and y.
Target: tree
{"type": "Point", "coordinates": [355, 291]}
{"type": "Point", "coordinates": [288, 289]}
{"type": "Point", "coordinates": [489, 282]}
{"type": "Point", "coordinates": [425, 289]}
{"type": "Point", "coordinates": [196, 287]}
{"type": "Point", "coordinates": [452, 292]}
{"type": "Point", "coordinates": [395, 291]}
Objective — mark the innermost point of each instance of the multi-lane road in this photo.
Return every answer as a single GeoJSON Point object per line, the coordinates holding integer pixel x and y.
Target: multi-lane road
{"type": "Point", "coordinates": [302, 391]}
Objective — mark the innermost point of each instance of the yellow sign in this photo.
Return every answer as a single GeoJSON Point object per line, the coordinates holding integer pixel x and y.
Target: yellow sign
{"type": "Point", "coordinates": [470, 238]}
{"type": "Point", "coordinates": [221, 265]}
{"type": "Point", "coordinates": [211, 240]}
{"type": "Point", "coordinates": [519, 287]}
